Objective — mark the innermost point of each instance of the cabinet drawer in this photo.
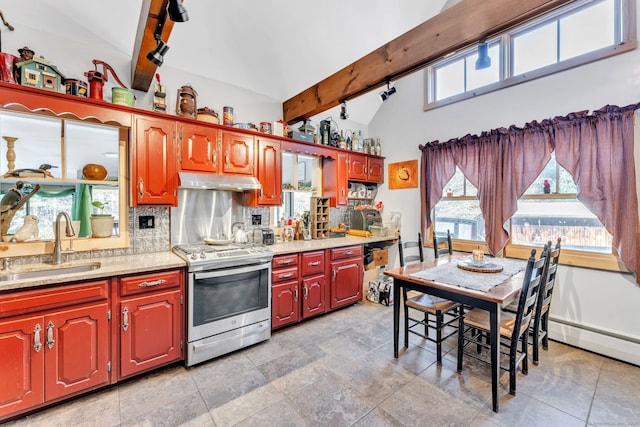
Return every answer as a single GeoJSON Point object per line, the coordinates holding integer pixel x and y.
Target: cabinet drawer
{"type": "Point", "coordinates": [312, 263]}
{"type": "Point", "coordinates": [284, 260]}
{"type": "Point", "coordinates": [150, 282]}
{"type": "Point", "coordinates": [346, 252]}
{"type": "Point", "coordinates": [282, 274]}
{"type": "Point", "coordinates": [22, 302]}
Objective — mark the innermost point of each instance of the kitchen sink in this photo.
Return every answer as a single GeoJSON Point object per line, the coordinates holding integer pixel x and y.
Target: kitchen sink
{"type": "Point", "coordinates": [53, 271]}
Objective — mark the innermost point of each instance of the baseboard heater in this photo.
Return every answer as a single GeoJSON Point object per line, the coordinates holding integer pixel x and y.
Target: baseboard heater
{"type": "Point", "coordinates": [597, 340]}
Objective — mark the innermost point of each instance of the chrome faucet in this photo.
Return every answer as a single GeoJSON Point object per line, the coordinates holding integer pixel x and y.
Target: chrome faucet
{"type": "Point", "coordinates": [56, 257]}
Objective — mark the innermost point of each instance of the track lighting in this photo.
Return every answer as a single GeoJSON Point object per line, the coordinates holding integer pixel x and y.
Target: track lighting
{"type": "Point", "coordinates": [385, 94]}
{"type": "Point", "coordinates": [484, 60]}
{"type": "Point", "coordinates": [177, 12]}
{"type": "Point", "coordinates": [157, 55]}
{"type": "Point", "coordinates": [343, 111]}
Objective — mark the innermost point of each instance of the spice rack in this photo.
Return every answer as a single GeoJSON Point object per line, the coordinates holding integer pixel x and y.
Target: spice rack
{"type": "Point", "coordinates": [319, 217]}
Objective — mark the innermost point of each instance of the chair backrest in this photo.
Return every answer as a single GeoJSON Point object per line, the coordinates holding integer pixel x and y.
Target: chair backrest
{"type": "Point", "coordinates": [412, 254]}
{"type": "Point", "coordinates": [533, 278]}
{"type": "Point", "coordinates": [546, 290]}
{"type": "Point", "coordinates": [438, 239]}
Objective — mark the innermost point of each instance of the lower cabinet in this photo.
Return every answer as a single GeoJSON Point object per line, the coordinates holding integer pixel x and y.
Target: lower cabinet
{"type": "Point", "coordinates": [53, 343]}
{"type": "Point", "coordinates": [298, 287]}
{"type": "Point", "coordinates": [66, 339]}
{"type": "Point", "coordinates": [345, 271]}
{"type": "Point", "coordinates": [151, 323]}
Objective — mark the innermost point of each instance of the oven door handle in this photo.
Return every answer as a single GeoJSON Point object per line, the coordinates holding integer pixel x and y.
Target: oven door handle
{"type": "Point", "coordinates": [233, 270]}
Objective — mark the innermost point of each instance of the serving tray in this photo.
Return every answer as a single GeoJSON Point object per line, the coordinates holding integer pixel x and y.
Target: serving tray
{"type": "Point", "coordinates": [484, 267]}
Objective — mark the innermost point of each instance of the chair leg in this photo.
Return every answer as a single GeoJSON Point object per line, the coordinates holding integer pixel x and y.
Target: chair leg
{"type": "Point", "coordinates": [536, 342]}
{"type": "Point", "coordinates": [426, 324]}
{"type": "Point", "coordinates": [439, 321]}
{"type": "Point", "coordinates": [460, 338]}
{"type": "Point", "coordinates": [406, 326]}
{"type": "Point", "coordinates": [545, 328]}
{"type": "Point", "coordinates": [525, 351]}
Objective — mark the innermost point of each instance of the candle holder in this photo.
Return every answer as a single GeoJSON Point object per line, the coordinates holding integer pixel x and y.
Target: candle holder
{"type": "Point", "coordinates": [11, 154]}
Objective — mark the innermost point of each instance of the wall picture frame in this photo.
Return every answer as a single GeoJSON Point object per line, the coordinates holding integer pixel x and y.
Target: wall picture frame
{"type": "Point", "coordinates": [403, 174]}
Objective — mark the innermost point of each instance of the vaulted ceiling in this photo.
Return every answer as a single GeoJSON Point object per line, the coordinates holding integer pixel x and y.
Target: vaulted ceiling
{"type": "Point", "coordinates": [277, 48]}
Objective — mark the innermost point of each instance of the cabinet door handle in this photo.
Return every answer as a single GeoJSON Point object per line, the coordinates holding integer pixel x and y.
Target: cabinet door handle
{"type": "Point", "coordinates": [36, 338]}
{"type": "Point", "coordinates": [50, 340]}
{"type": "Point", "coordinates": [295, 294]}
{"type": "Point", "coordinates": [141, 187]}
{"type": "Point", "coordinates": [215, 159]}
{"type": "Point", "coordinates": [333, 274]}
{"type": "Point", "coordinates": [285, 275]}
{"type": "Point", "coordinates": [285, 261]}
{"type": "Point", "coordinates": [226, 158]}
{"type": "Point", "coordinates": [306, 292]}
{"type": "Point", "coordinates": [150, 284]}
{"type": "Point", "coordinates": [314, 263]}
{"type": "Point", "coordinates": [125, 319]}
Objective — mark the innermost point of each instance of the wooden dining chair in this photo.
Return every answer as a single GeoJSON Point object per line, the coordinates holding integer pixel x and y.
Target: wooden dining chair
{"type": "Point", "coordinates": [540, 324]}
{"type": "Point", "coordinates": [426, 304]}
{"type": "Point", "coordinates": [538, 330]}
{"type": "Point", "coordinates": [438, 240]}
{"type": "Point", "coordinates": [474, 326]}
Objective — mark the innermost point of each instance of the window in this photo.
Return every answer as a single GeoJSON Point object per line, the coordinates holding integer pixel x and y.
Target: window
{"type": "Point", "coordinates": [300, 178]}
{"type": "Point", "coordinates": [66, 146]}
{"type": "Point", "coordinates": [582, 32]}
{"type": "Point", "coordinates": [549, 209]}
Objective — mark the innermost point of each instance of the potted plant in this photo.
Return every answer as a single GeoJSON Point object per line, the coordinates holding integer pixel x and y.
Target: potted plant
{"type": "Point", "coordinates": [101, 223]}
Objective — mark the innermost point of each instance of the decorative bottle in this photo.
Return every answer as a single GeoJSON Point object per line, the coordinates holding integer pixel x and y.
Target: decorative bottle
{"type": "Point", "coordinates": [355, 143]}
{"type": "Point", "coordinates": [378, 147]}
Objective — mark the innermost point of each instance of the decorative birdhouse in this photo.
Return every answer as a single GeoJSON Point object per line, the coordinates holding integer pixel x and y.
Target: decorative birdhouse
{"type": "Point", "coordinates": [38, 72]}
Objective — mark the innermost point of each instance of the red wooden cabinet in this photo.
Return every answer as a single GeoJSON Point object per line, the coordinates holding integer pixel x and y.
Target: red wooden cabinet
{"type": "Point", "coordinates": [366, 168]}
{"type": "Point", "coordinates": [76, 350]}
{"type": "Point", "coordinates": [199, 148]}
{"type": "Point", "coordinates": [345, 272]}
{"type": "Point", "coordinates": [312, 286]}
{"type": "Point", "coordinates": [154, 177]}
{"type": "Point", "coordinates": [237, 153]}
{"type": "Point", "coordinates": [53, 343]}
{"type": "Point", "coordinates": [21, 364]}
{"type": "Point", "coordinates": [268, 172]}
{"type": "Point", "coordinates": [335, 179]}
{"type": "Point", "coordinates": [150, 327]}
{"type": "Point", "coordinates": [285, 292]}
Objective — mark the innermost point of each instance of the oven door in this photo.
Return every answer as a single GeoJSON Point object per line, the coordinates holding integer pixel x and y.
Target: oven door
{"type": "Point", "coordinates": [227, 299]}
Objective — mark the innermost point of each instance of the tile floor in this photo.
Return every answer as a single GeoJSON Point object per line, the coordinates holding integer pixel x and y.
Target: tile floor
{"type": "Point", "coordinates": [339, 370]}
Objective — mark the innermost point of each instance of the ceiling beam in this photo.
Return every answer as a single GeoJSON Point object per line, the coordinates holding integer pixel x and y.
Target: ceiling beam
{"type": "Point", "coordinates": [143, 70]}
{"type": "Point", "coordinates": [455, 27]}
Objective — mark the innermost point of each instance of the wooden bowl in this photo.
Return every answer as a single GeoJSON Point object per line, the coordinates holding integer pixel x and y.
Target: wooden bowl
{"type": "Point", "coordinates": [94, 172]}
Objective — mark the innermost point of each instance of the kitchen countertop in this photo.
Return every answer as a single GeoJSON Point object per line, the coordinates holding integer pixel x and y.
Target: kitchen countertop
{"type": "Point", "coordinates": [109, 267]}
{"type": "Point", "coordinates": [332, 242]}
{"type": "Point", "coordinates": [140, 263]}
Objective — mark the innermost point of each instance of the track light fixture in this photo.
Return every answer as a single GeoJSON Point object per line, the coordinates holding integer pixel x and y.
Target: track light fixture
{"type": "Point", "coordinates": [177, 12]}
{"type": "Point", "coordinates": [157, 55]}
{"type": "Point", "coordinates": [484, 60]}
{"type": "Point", "coordinates": [385, 94]}
{"type": "Point", "coordinates": [343, 110]}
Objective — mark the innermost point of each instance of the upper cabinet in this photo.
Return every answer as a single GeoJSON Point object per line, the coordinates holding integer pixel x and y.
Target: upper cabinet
{"type": "Point", "coordinates": [153, 169]}
{"type": "Point", "coordinates": [268, 172]}
{"type": "Point", "coordinates": [237, 153]}
{"type": "Point", "coordinates": [199, 148]}
{"type": "Point", "coordinates": [366, 168]}
{"type": "Point", "coordinates": [335, 179]}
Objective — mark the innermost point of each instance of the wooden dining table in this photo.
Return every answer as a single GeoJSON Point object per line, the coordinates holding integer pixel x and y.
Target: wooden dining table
{"type": "Point", "coordinates": [491, 300]}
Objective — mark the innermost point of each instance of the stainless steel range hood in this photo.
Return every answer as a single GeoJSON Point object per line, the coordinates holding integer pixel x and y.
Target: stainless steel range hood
{"type": "Point", "coordinates": [205, 181]}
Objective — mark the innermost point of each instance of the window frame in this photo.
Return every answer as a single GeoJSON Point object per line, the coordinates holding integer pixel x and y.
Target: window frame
{"type": "Point", "coordinates": [625, 24]}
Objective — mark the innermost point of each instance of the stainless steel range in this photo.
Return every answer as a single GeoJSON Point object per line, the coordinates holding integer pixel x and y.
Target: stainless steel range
{"type": "Point", "coordinates": [228, 285]}
{"type": "Point", "coordinates": [228, 298]}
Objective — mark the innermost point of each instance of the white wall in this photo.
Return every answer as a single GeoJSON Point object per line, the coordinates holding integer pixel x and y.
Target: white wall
{"type": "Point", "coordinates": [73, 58]}
{"type": "Point", "coordinates": [585, 298]}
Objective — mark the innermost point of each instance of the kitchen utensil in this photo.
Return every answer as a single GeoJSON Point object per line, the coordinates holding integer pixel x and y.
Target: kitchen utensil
{"type": "Point", "coordinates": [239, 236]}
